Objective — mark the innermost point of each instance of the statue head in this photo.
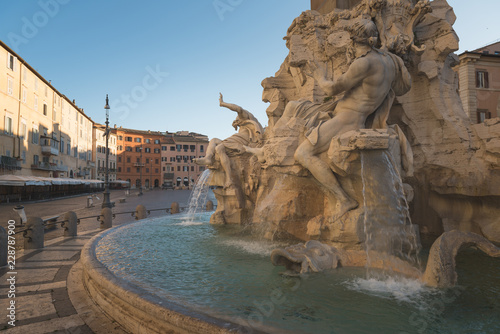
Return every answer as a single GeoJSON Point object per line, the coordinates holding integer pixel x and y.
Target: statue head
{"type": "Point", "coordinates": [364, 31]}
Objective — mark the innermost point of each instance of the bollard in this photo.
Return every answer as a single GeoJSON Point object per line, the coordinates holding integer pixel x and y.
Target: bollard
{"type": "Point", "coordinates": [34, 234]}
{"type": "Point", "coordinates": [174, 208]}
{"type": "Point", "coordinates": [70, 224]}
{"type": "Point", "coordinates": [140, 212]}
{"type": "Point", "coordinates": [210, 205]}
{"type": "Point", "coordinates": [106, 218]}
{"type": "Point", "coordinates": [3, 246]}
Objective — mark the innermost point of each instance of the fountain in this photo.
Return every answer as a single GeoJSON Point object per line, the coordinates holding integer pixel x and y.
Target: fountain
{"type": "Point", "coordinates": [364, 151]}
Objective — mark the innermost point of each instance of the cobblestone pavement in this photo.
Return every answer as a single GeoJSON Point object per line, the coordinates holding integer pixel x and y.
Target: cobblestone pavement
{"type": "Point", "coordinates": [42, 302]}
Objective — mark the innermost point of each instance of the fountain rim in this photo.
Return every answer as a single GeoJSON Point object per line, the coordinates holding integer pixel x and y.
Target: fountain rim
{"type": "Point", "coordinates": [135, 308]}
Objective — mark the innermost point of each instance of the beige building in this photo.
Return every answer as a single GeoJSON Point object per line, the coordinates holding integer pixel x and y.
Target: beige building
{"type": "Point", "coordinates": [479, 85]}
{"type": "Point", "coordinates": [177, 153]}
{"type": "Point", "coordinates": [42, 132]}
{"type": "Point", "coordinates": [99, 153]}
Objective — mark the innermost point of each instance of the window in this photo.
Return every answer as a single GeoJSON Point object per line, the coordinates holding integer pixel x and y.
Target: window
{"type": "Point", "coordinates": [128, 169]}
{"type": "Point", "coordinates": [119, 159]}
{"type": "Point", "coordinates": [138, 170]}
{"type": "Point", "coordinates": [185, 147]}
{"type": "Point", "coordinates": [202, 168]}
{"type": "Point", "coordinates": [46, 90]}
{"type": "Point", "coordinates": [36, 83]}
{"type": "Point", "coordinates": [156, 170]}
{"type": "Point", "coordinates": [147, 170]}
{"type": "Point", "coordinates": [157, 141]}
{"type": "Point", "coordinates": [68, 148]}
{"type": "Point", "coordinates": [8, 125]}
{"type": "Point", "coordinates": [120, 137]}
{"type": "Point", "coordinates": [172, 148]}
{"type": "Point", "coordinates": [54, 115]}
{"type": "Point", "coordinates": [157, 150]}
{"type": "Point", "coordinates": [147, 160]}
{"type": "Point", "coordinates": [185, 168]}
{"type": "Point", "coordinates": [163, 148]}
{"type": "Point", "coordinates": [147, 141]}
{"type": "Point", "coordinates": [62, 146]}
{"type": "Point", "coordinates": [128, 148]}
{"type": "Point", "coordinates": [178, 168]}
{"type": "Point", "coordinates": [147, 150]}
{"type": "Point", "coordinates": [201, 148]}
{"type": "Point", "coordinates": [24, 129]}
{"type": "Point", "coordinates": [128, 159]}
{"type": "Point", "coordinates": [128, 138]}
{"type": "Point", "coordinates": [10, 86]}
{"type": "Point", "coordinates": [11, 61]}
{"type": "Point", "coordinates": [25, 94]}
{"type": "Point", "coordinates": [25, 73]}
{"type": "Point", "coordinates": [192, 148]}
{"type": "Point", "coordinates": [119, 169]}
{"type": "Point", "coordinates": [156, 161]}
{"type": "Point", "coordinates": [137, 140]}
{"type": "Point", "coordinates": [192, 168]}
{"type": "Point", "coordinates": [36, 159]}
{"type": "Point", "coordinates": [483, 114]}
{"type": "Point", "coordinates": [120, 148]}
{"type": "Point", "coordinates": [138, 149]}
{"type": "Point", "coordinates": [482, 79]}
{"type": "Point", "coordinates": [45, 109]}
{"type": "Point", "coordinates": [35, 105]}
{"type": "Point", "coordinates": [178, 147]}
{"type": "Point", "coordinates": [35, 135]}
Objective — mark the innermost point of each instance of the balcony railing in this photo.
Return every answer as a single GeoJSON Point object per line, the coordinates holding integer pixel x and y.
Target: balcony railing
{"type": "Point", "coordinates": [49, 166]}
{"type": "Point", "coordinates": [103, 170]}
{"type": "Point", "coordinates": [49, 145]}
{"type": "Point", "coordinates": [9, 163]}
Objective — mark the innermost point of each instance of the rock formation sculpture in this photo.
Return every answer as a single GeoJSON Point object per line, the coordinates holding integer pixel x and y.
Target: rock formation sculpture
{"type": "Point", "coordinates": [314, 256]}
{"type": "Point", "coordinates": [350, 161]}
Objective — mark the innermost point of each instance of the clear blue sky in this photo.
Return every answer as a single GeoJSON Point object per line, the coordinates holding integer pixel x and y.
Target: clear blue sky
{"type": "Point", "coordinates": [92, 48]}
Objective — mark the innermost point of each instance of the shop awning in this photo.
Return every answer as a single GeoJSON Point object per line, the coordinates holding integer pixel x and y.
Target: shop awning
{"type": "Point", "coordinates": [24, 180]}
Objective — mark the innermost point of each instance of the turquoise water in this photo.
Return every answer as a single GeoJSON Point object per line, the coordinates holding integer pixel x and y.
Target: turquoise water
{"type": "Point", "coordinates": [224, 272]}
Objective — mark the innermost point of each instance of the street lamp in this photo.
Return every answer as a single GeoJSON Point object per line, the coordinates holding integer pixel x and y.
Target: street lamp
{"type": "Point", "coordinates": [106, 203]}
{"type": "Point", "coordinates": [140, 175]}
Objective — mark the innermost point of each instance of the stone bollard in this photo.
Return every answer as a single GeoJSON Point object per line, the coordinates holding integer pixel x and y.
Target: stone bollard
{"type": "Point", "coordinates": [210, 205]}
{"type": "Point", "coordinates": [70, 224]}
{"type": "Point", "coordinates": [106, 218]}
{"type": "Point", "coordinates": [140, 212]}
{"type": "Point", "coordinates": [3, 246]}
{"type": "Point", "coordinates": [34, 234]}
{"type": "Point", "coordinates": [174, 208]}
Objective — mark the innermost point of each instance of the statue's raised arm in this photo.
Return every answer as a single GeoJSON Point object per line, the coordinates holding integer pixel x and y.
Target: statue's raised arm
{"type": "Point", "coordinates": [242, 113]}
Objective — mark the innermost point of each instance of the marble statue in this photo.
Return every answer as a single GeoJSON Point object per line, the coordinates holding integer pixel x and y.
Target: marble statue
{"type": "Point", "coordinates": [250, 132]}
{"type": "Point", "coordinates": [369, 86]}
{"type": "Point", "coordinates": [367, 145]}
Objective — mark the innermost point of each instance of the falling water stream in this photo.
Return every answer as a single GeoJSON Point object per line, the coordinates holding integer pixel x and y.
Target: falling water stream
{"type": "Point", "coordinates": [198, 198]}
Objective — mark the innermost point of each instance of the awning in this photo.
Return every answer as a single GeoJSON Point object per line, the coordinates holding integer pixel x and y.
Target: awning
{"type": "Point", "coordinates": [25, 180]}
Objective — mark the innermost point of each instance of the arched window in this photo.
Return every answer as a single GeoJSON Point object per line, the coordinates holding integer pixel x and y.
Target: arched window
{"type": "Point", "coordinates": [179, 181]}
{"type": "Point", "coordinates": [186, 182]}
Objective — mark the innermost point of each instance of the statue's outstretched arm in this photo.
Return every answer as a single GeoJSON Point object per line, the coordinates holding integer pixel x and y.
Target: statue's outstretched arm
{"type": "Point", "coordinates": [242, 113]}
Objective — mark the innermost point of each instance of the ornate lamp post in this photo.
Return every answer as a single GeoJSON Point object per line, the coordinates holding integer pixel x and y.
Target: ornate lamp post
{"type": "Point", "coordinates": [106, 203]}
{"type": "Point", "coordinates": [140, 170]}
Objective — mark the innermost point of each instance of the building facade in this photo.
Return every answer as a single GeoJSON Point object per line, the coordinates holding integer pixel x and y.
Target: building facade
{"type": "Point", "coordinates": [99, 152]}
{"type": "Point", "coordinates": [479, 82]}
{"type": "Point", "coordinates": [42, 132]}
{"type": "Point", "coordinates": [178, 151]}
{"type": "Point", "coordinates": [139, 157]}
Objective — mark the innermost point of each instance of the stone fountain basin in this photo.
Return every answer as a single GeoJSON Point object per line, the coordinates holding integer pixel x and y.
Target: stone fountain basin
{"type": "Point", "coordinates": [137, 310]}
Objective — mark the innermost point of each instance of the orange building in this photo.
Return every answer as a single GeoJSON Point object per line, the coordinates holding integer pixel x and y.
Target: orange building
{"type": "Point", "coordinates": [138, 157]}
{"type": "Point", "coordinates": [479, 74]}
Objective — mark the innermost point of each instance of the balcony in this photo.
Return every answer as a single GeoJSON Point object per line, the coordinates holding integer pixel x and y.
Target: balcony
{"type": "Point", "coordinates": [103, 170]}
{"type": "Point", "coordinates": [49, 145]}
{"type": "Point", "coordinates": [49, 166]}
{"type": "Point", "coordinates": [9, 163]}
